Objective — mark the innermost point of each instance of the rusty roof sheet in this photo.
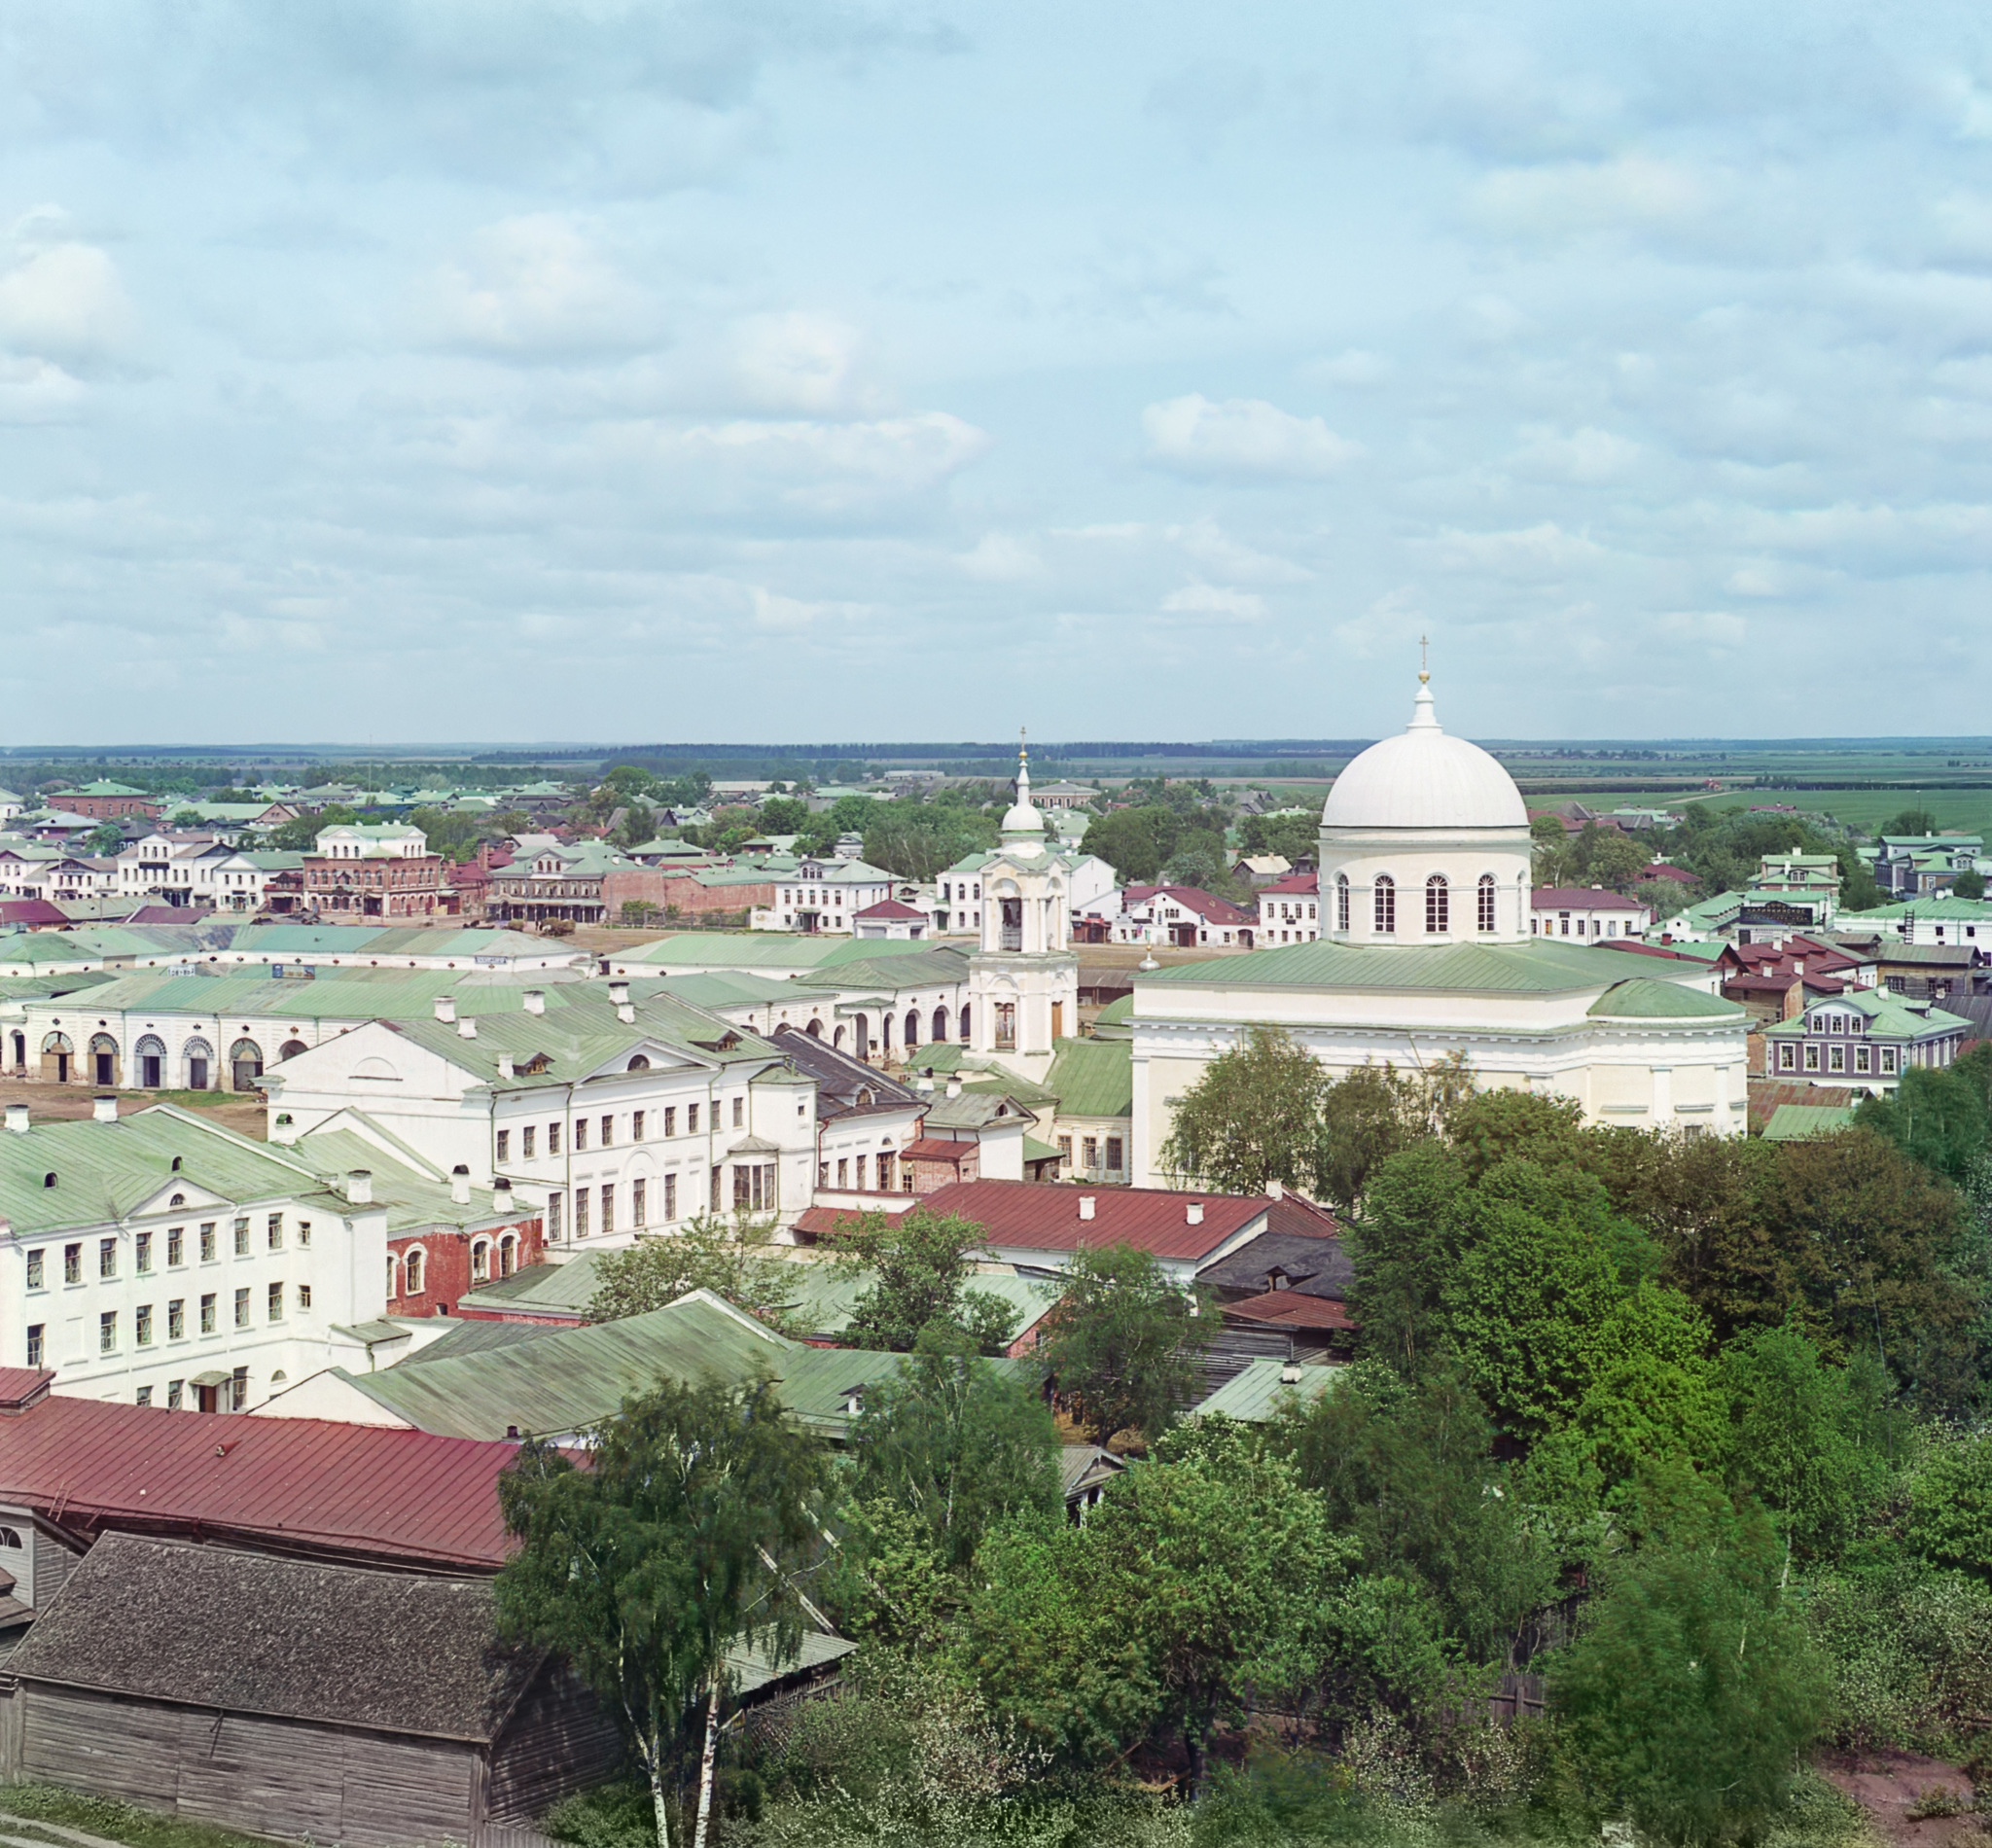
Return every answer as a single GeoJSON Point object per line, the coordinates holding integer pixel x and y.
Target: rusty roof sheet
{"type": "Point", "coordinates": [1030, 1216]}
{"type": "Point", "coordinates": [362, 1493]}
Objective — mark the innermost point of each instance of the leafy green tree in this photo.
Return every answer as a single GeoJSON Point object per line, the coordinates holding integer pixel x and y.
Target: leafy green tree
{"type": "Point", "coordinates": [1553, 852]}
{"type": "Point", "coordinates": [1124, 1341]}
{"type": "Point", "coordinates": [1402, 1248]}
{"type": "Point", "coordinates": [1950, 1504]}
{"type": "Point", "coordinates": [918, 840]}
{"type": "Point", "coordinates": [1254, 1117]}
{"type": "Point", "coordinates": [921, 1266]}
{"type": "Point", "coordinates": [853, 814]}
{"type": "Point", "coordinates": [1692, 1686]}
{"type": "Point", "coordinates": [1801, 1436]}
{"type": "Point", "coordinates": [450, 833]}
{"type": "Point", "coordinates": [1294, 837]}
{"type": "Point", "coordinates": [1370, 1113]}
{"type": "Point", "coordinates": [105, 838]}
{"type": "Point", "coordinates": [300, 835]}
{"type": "Point", "coordinates": [684, 1536]}
{"type": "Point", "coordinates": [784, 815]}
{"type": "Point", "coordinates": [1914, 822]}
{"type": "Point", "coordinates": [1136, 843]}
{"type": "Point", "coordinates": [1614, 861]}
{"type": "Point", "coordinates": [959, 1446]}
{"type": "Point", "coordinates": [730, 1258]}
{"type": "Point", "coordinates": [1968, 885]}
{"type": "Point", "coordinates": [1937, 1115]}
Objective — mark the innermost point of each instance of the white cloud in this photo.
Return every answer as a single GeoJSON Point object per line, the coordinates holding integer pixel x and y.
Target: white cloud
{"type": "Point", "coordinates": [831, 465]}
{"type": "Point", "coordinates": [998, 558]}
{"type": "Point", "coordinates": [1241, 437]}
{"type": "Point", "coordinates": [1571, 197]}
{"type": "Point", "coordinates": [37, 391]}
{"type": "Point", "coordinates": [536, 287]}
{"type": "Point", "coordinates": [799, 362]}
{"type": "Point", "coordinates": [1391, 624]}
{"type": "Point", "coordinates": [1353, 368]}
{"type": "Point", "coordinates": [1716, 628]}
{"type": "Point", "coordinates": [1211, 599]}
{"type": "Point", "coordinates": [1544, 550]}
{"type": "Point", "coordinates": [64, 301]}
{"type": "Point", "coordinates": [1582, 456]}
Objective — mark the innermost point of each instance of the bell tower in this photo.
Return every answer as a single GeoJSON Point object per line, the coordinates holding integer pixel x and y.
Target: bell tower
{"type": "Point", "coordinates": [1023, 981]}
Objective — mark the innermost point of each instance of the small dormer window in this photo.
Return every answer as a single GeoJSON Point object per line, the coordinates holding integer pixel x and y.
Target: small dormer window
{"type": "Point", "coordinates": [178, 1199]}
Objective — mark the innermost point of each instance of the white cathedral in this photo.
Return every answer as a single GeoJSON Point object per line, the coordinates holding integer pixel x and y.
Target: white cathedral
{"type": "Point", "coordinates": [1425, 950]}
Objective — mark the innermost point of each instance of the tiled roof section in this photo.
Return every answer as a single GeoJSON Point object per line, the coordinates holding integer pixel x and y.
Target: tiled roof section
{"type": "Point", "coordinates": [356, 1492]}
{"type": "Point", "coordinates": [1679, 875]}
{"type": "Point", "coordinates": [1536, 968]}
{"type": "Point", "coordinates": [1642, 999]}
{"type": "Point", "coordinates": [1292, 1309]}
{"type": "Point", "coordinates": [1293, 885]}
{"type": "Point", "coordinates": [1584, 898]}
{"type": "Point", "coordinates": [1028, 1216]}
{"type": "Point", "coordinates": [236, 1632]}
{"type": "Point", "coordinates": [1093, 1078]}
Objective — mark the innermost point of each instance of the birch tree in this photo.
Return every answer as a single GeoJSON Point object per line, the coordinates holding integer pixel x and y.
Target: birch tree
{"type": "Point", "coordinates": [682, 1538]}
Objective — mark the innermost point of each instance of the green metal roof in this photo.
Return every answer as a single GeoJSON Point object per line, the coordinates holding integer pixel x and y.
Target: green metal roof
{"type": "Point", "coordinates": [106, 1171]}
{"type": "Point", "coordinates": [553, 1288]}
{"type": "Point", "coordinates": [1536, 968]}
{"type": "Point", "coordinates": [1889, 1017]}
{"type": "Point", "coordinates": [1116, 1014]}
{"type": "Point", "coordinates": [1093, 1078]}
{"type": "Point", "coordinates": [767, 950]}
{"type": "Point", "coordinates": [1644, 999]}
{"type": "Point", "coordinates": [1944, 911]}
{"type": "Point", "coordinates": [1797, 1123]}
{"type": "Point", "coordinates": [1257, 1394]}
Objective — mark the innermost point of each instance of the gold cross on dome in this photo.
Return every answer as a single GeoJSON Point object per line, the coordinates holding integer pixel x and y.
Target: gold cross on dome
{"type": "Point", "coordinates": [1424, 666]}
{"type": "Point", "coordinates": [1023, 750]}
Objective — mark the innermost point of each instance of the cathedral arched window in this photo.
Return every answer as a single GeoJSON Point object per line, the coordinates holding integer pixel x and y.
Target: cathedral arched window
{"type": "Point", "coordinates": [1438, 906]}
{"type": "Point", "coordinates": [1486, 918]}
{"type": "Point", "coordinates": [1386, 905]}
{"type": "Point", "coordinates": [1341, 901]}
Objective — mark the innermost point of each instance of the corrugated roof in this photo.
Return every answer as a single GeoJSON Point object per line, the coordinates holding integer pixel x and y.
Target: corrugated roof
{"type": "Point", "coordinates": [1093, 1078]}
{"type": "Point", "coordinates": [1797, 1123]}
{"type": "Point", "coordinates": [1642, 999]}
{"type": "Point", "coordinates": [1535, 968]}
{"type": "Point", "coordinates": [361, 1492]}
{"type": "Point", "coordinates": [1029, 1216]}
{"type": "Point", "coordinates": [1257, 1394]}
{"type": "Point", "coordinates": [563, 1290]}
{"type": "Point", "coordinates": [1292, 1310]}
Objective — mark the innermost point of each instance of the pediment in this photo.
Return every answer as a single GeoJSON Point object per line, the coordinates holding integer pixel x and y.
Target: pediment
{"type": "Point", "coordinates": [658, 1055]}
{"type": "Point", "coordinates": [182, 1196]}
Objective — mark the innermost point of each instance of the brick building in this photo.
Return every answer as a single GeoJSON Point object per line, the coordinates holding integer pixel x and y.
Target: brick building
{"type": "Point", "coordinates": [105, 801]}
{"type": "Point", "coordinates": [363, 871]}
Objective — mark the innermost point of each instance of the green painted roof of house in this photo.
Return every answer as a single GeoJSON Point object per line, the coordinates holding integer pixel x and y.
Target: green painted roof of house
{"type": "Point", "coordinates": [1644, 999]}
{"type": "Point", "coordinates": [1889, 1017]}
{"type": "Point", "coordinates": [1093, 1078]}
{"type": "Point", "coordinates": [554, 1288]}
{"type": "Point", "coordinates": [1942, 910]}
{"type": "Point", "coordinates": [1256, 1395]}
{"type": "Point", "coordinates": [575, 1377]}
{"type": "Point", "coordinates": [767, 950]}
{"type": "Point", "coordinates": [1536, 968]}
{"type": "Point", "coordinates": [924, 967]}
{"type": "Point", "coordinates": [1796, 1122]}
{"type": "Point", "coordinates": [101, 788]}
{"type": "Point", "coordinates": [106, 1171]}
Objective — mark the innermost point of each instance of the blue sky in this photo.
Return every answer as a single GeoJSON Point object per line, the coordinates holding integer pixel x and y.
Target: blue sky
{"type": "Point", "coordinates": [394, 372]}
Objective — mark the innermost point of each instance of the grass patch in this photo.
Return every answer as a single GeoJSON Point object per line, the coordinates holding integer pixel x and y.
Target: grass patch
{"type": "Point", "coordinates": [105, 1816]}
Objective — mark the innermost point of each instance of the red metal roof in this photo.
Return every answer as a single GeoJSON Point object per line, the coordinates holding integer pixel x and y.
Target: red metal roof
{"type": "Point", "coordinates": [891, 908]}
{"type": "Point", "coordinates": [360, 1493]}
{"type": "Point", "coordinates": [1307, 883]}
{"type": "Point", "coordinates": [1297, 1218]}
{"type": "Point", "coordinates": [31, 911]}
{"type": "Point", "coordinates": [1289, 1308]}
{"type": "Point", "coordinates": [1035, 1217]}
{"type": "Point", "coordinates": [1679, 874]}
{"type": "Point", "coordinates": [1637, 948]}
{"type": "Point", "coordinates": [19, 1384]}
{"type": "Point", "coordinates": [935, 1149]}
{"type": "Point", "coordinates": [823, 1221]}
{"type": "Point", "coordinates": [1192, 898]}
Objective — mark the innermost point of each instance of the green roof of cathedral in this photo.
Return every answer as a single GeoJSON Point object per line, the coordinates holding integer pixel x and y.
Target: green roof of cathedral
{"type": "Point", "coordinates": [1644, 999]}
{"type": "Point", "coordinates": [1535, 968]}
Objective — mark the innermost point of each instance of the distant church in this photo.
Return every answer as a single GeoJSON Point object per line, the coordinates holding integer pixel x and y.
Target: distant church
{"type": "Point", "coordinates": [1425, 950]}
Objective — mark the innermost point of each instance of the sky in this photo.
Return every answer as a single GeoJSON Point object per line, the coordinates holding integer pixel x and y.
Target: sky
{"type": "Point", "coordinates": [847, 371]}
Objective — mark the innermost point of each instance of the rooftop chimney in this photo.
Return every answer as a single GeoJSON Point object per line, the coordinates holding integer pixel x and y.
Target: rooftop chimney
{"type": "Point", "coordinates": [17, 1119]}
{"type": "Point", "coordinates": [103, 1110]}
{"type": "Point", "coordinates": [953, 1085]}
{"type": "Point", "coordinates": [501, 1195]}
{"type": "Point", "coordinates": [460, 1185]}
{"type": "Point", "coordinates": [445, 1009]}
{"type": "Point", "coordinates": [625, 1012]}
{"type": "Point", "coordinates": [1275, 1190]}
{"type": "Point", "coordinates": [619, 993]}
{"type": "Point", "coordinates": [1192, 1213]}
{"type": "Point", "coordinates": [534, 1001]}
{"type": "Point", "coordinates": [467, 1028]}
{"type": "Point", "coordinates": [1086, 1203]}
{"type": "Point", "coordinates": [360, 1187]}
{"type": "Point", "coordinates": [504, 1065]}
{"type": "Point", "coordinates": [1290, 1374]}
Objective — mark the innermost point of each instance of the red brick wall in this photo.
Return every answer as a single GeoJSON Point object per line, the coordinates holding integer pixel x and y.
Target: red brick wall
{"type": "Point", "coordinates": [101, 807]}
{"type": "Point", "coordinates": [447, 1263]}
{"type": "Point", "coordinates": [693, 899]}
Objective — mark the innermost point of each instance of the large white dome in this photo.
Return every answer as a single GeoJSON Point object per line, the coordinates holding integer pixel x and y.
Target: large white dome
{"type": "Point", "coordinates": [1421, 778]}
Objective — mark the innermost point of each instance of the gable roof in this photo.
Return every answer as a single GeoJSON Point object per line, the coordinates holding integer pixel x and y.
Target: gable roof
{"type": "Point", "coordinates": [306, 1485]}
{"type": "Point", "coordinates": [1572, 897]}
{"type": "Point", "coordinates": [1192, 898]}
{"type": "Point", "coordinates": [1262, 1389]}
{"type": "Point", "coordinates": [1029, 1216]}
{"type": "Point", "coordinates": [1093, 1078]}
{"type": "Point", "coordinates": [236, 1632]}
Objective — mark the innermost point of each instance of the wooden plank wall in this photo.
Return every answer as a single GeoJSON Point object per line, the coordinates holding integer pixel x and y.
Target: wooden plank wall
{"type": "Point", "coordinates": [560, 1741]}
{"type": "Point", "coordinates": [276, 1777]}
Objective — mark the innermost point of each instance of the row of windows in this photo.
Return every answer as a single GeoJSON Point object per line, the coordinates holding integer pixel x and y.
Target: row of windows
{"type": "Point", "coordinates": [595, 1207]}
{"type": "Point", "coordinates": [145, 1324]}
{"type": "Point", "coordinates": [234, 1397]}
{"type": "Point", "coordinates": [1437, 903]}
{"type": "Point", "coordinates": [1835, 1058]}
{"type": "Point", "coordinates": [407, 1274]}
{"type": "Point", "coordinates": [1089, 1153]}
{"type": "Point", "coordinates": [143, 1249]}
{"type": "Point", "coordinates": [861, 1167]}
{"type": "Point", "coordinates": [639, 1124]}
{"type": "Point", "coordinates": [1600, 927]}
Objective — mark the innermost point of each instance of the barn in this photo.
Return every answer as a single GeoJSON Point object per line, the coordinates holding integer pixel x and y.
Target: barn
{"type": "Point", "coordinates": [298, 1698]}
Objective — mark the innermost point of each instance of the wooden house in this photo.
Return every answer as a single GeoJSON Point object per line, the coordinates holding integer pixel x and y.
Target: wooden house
{"type": "Point", "coordinates": [296, 1698]}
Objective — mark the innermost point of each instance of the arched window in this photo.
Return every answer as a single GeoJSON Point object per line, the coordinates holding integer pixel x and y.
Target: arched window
{"type": "Point", "coordinates": [861, 1037]}
{"type": "Point", "coordinates": [815, 1029]}
{"type": "Point", "coordinates": [199, 1058]}
{"type": "Point", "coordinates": [964, 1026]}
{"type": "Point", "coordinates": [1386, 905]}
{"type": "Point", "coordinates": [245, 1057]}
{"type": "Point", "coordinates": [638, 1064]}
{"type": "Point", "coordinates": [837, 1038]}
{"type": "Point", "coordinates": [480, 1260]}
{"type": "Point", "coordinates": [291, 1049]}
{"type": "Point", "coordinates": [151, 1054]}
{"type": "Point", "coordinates": [912, 1032]}
{"type": "Point", "coordinates": [508, 1255]}
{"type": "Point", "coordinates": [939, 1024]}
{"type": "Point", "coordinates": [9, 1538]}
{"type": "Point", "coordinates": [1341, 901]}
{"type": "Point", "coordinates": [413, 1265]}
{"type": "Point", "coordinates": [1486, 917]}
{"type": "Point", "coordinates": [1438, 906]}
{"type": "Point", "coordinates": [103, 1059]}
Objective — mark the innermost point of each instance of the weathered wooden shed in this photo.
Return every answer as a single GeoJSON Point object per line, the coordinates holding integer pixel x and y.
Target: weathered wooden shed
{"type": "Point", "coordinates": [365, 1708]}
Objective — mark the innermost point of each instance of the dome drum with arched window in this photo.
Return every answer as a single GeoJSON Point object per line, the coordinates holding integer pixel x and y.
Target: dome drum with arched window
{"type": "Point", "coordinates": [1425, 839]}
